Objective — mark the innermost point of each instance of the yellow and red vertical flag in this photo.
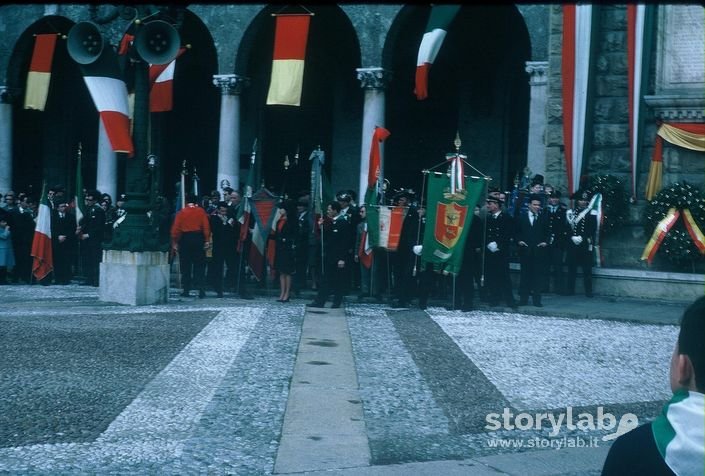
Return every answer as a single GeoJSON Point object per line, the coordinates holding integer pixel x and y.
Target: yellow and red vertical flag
{"type": "Point", "coordinates": [43, 261]}
{"type": "Point", "coordinates": [290, 38]}
{"type": "Point", "coordinates": [39, 75]}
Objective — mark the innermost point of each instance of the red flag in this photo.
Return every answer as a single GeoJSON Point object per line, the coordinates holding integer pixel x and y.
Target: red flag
{"type": "Point", "coordinates": [43, 261]}
{"type": "Point", "coordinates": [39, 75]}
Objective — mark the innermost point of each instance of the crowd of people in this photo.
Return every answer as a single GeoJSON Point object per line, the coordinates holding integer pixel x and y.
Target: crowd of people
{"type": "Point", "coordinates": [327, 254]}
{"type": "Point", "coordinates": [77, 244]}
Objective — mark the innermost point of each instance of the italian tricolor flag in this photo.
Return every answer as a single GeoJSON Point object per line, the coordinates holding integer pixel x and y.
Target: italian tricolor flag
{"type": "Point", "coordinates": [436, 29]}
{"type": "Point", "coordinates": [679, 433]}
{"type": "Point", "coordinates": [40, 72]}
{"type": "Point", "coordinates": [161, 79]}
{"type": "Point", "coordinates": [288, 62]}
{"type": "Point", "coordinates": [43, 262]}
{"type": "Point", "coordinates": [109, 93]}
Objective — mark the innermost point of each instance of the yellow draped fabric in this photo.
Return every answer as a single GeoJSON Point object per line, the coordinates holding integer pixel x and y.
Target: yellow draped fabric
{"type": "Point", "coordinates": [653, 184]}
{"type": "Point", "coordinates": [689, 140]}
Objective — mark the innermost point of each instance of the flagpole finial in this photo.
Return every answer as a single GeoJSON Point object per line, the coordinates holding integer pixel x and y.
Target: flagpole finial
{"type": "Point", "coordinates": [184, 171]}
{"type": "Point", "coordinates": [457, 142]}
{"type": "Point", "coordinates": [286, 162]}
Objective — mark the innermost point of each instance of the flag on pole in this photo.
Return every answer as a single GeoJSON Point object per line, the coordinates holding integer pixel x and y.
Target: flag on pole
{"type": "Point", "coordinates": [384, 225]}
{"type": "Point", "coordinates": [78, 195]}
{"type": "Point", "coordinates": [290, 38]}
{"type": "Point", "coordinates": [263, 214]}
{"type": "Point", "coordinates": [317, 158]}
{"type": "Point", "coordinates": [379, 135]}
{"type": "Point", "coordinates": [161, 80]}
{"type": "Point", "coordinates": [438, 22]}
{"type": "Point", "coordinates": [244, 211]}
{"type": "Point", "coordinates": [39, 75]}
{"type": "Point", "coordinates": [448, 217]}
{"type": "Point", "coordinates": [109, 92]}
{"type": "Point", "coordinates": [42, 262]}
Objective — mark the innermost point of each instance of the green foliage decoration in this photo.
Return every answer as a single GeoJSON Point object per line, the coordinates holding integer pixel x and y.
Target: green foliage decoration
{"type": "Point", "coordinates": [614, 200]}
{"type": "Point", "coordinates": [677, 246]}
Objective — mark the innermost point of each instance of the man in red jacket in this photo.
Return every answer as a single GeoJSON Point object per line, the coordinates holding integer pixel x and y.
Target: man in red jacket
{"type": "Point", "coordinates": [190, 238]}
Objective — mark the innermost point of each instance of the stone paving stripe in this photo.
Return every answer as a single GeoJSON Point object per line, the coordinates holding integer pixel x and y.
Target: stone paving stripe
{"type": "Point", "coordinates": [460, 388]}
{"type": "Point", "coordinates": [172, 403]}
{"type": "Point", "coordinates": [324, 426]}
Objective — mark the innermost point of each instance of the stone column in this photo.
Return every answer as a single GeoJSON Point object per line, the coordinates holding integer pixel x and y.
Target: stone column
{"type": "Point", "coordinates": [374, 81]}
{"type": "Point", "coordinates": [106, 175]}
{"type": "Point", "coordinates": [231, 85]}
{"type": "Point", "coordinates": [5, 140]}
{"type": "Point", "coordinates": [536, 150]}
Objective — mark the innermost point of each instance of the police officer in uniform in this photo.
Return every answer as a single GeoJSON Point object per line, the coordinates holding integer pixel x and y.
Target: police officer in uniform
{"type": "Point", "coordinates": [583, 225]}
{"type": "Point", "coordinates": [498, 236]}
{"type": "Point", "coordinates": [90, 233]}
{"type": "Point", "coordinates": [336, 232]}
{"type": "Point", "coordinates": [558, 231]}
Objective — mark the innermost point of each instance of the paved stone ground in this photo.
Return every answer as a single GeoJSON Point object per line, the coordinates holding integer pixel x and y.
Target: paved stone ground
{"type": "Point", "coordinates": [201, 386]}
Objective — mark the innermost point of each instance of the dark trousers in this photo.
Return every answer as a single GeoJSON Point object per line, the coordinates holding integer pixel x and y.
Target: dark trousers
{"type": "Point", "coordinates": [192, 259]}
{"type": "Point", "coordinates": [465, 286]}
{"type": "Point", "coordinates": [531, 279]}
{"type": "Point", "coordinates": [62, 264]}
{"type": "Point", "coordinates": [579, 256]}
{"type": "Point", "coordinates": [216, 267]}
{"type": "Point", "coordinates": [335, 281]}
{"type": "Point", "coordinates": [554, 270]}
{"type": "Point", "coordinates": [498, 282]}
{"type": "Point", "coordinates": [91, 253]}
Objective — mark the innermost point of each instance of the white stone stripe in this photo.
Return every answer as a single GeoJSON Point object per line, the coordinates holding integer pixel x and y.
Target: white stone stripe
{"type": "Point", "coordinates": [173, 402]}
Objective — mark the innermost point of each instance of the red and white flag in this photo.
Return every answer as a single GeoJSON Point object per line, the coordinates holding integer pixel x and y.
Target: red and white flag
{"type": "Point", "coordinates": [575, 69]}
{"type": "Point", "coordinates": [290, 40]}
{"type": "Point", "coordinates": [109, 93]}
{"type": "Point", "coordinates": [39, 75]}
{"type": "Point", "coordinates": [161, 80]}
{"type": "Point", "coordinates": [436, 29]}
{"type": "Point", "coordinates": [43, 261]}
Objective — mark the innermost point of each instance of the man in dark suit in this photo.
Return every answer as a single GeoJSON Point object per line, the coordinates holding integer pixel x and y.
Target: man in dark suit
{"type": "Point", "coordinates": [225, 238]}
{"type": "Point", "coordinates": [90, 233]}
{"type": "Point", "coordinates": [558, 231]}
{"type": "Point", "coordinates": [336, 230]}
{"type": "Point", "coordinates": [498, 236]}
{"type": "Point", "coordinates": [583, 225]}
{"type": "Point", "coordinates": [63, 240]}
{"type": "Point", "coordinates": [532, 240]}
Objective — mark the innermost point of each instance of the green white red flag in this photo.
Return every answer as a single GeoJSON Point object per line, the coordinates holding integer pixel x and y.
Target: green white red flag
{"type": "Point", "coordinates": [39, 75]}
{"type": "Point", "coordinates": [449, 215]}
{"type": "Point", "coordinates": [290, 38]}
{"type": "Point", "coordinates": [42, 259]}
{"type": "Point", "coordinates": [438, 22]}
{"type": "Point", "coordinates": [379, 135]}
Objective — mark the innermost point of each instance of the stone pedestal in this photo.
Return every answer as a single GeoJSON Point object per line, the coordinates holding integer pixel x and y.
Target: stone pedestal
{"type": "Point", "coordinates": [134, 278]}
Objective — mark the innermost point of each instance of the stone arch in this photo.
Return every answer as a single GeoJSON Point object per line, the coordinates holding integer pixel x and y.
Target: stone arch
{"type": "Point", "coordinates": [477, 87]}
{"type": "Point", "coordinates": [45, 142]}
{"type": "Point", "coordinates": [330, 111]}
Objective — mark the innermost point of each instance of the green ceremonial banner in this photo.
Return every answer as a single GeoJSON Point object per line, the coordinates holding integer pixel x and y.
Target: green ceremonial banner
{"type": "Point", "coordinates": [448, 218]}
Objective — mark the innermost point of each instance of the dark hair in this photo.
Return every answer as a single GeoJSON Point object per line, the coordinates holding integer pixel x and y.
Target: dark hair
{"type": "Point", "coordinates": [191, 198]}
{"type": "Point", "coordinates": [691, 339]}
{"type": "Point", "coordinates": [335, 206]}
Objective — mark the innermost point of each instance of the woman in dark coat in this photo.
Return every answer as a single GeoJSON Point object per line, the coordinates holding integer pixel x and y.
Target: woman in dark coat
{"type": "Point", "coordinates": [285, 250]}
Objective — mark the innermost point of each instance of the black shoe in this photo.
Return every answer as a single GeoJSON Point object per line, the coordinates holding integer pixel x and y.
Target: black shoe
{"type": "Point", "coordinates": [335, 306]}
{"type": "Point", "coordinates": [247, 296]}
{"type": "Point", "coordinates": [201, 294]}
{"type": "Point", "coordinates": [184, 294]}
{"type": "Point", "coordinates": [283, 300]}
{"type": "Point", "coordinates": [220, 294]}
{"type": "Point", "coordinates": [538, 304]}
{"type": "Point", "coordinates": [466, 308]}
{"type": "Point", "coordinates": [513, 305]}
{"type": "Point", "coordinates": [316, 304]}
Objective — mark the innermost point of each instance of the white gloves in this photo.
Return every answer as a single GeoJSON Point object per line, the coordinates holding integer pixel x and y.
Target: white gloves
{"type": "Point", "coordinates": [493, 247]}
{"type": "Point", "coordinates": [577, 239]}
{"type": "Point", "coordinates": [418, 249]}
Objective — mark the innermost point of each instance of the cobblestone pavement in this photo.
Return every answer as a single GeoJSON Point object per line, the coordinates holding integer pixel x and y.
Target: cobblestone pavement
{"type": "Point", "coordinates": [201, 386]}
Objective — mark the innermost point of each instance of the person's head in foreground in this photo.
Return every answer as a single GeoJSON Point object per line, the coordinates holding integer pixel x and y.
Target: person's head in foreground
{"type": "Point", "coordinates": [674, 443]}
